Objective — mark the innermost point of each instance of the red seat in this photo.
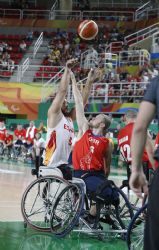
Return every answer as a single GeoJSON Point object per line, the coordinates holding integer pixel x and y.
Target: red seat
{"type": "Point", "coordinates": [45, 75]}
{"type": "Point", "coordinates": [38, 74]}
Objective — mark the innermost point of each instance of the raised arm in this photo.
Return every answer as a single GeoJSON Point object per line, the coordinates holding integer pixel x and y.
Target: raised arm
{"type": "Point", "coordinates": [92, 75]}
{"type": "Point", "coordinates": [54, 112]}
{"type": "Point", "coordinates": [80, 117]}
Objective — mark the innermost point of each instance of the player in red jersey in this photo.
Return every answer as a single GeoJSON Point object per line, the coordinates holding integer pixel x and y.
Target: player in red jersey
{"type": "Point", "coordinates": [2, 131]}
{"type": "Point", "coordinates": [30, 132]}
{"type": "Point", "coordinates": [157, 140]}
{"type": "Point", "coordinates": [19, 135]}
{"type": "Point", "coordinates": [124, 140]}
{"type": "Point", "coordinates": [156, 146]}
{"type": "Point", "coordinates": [92, 150]}
{"type": "Point", "coordinates": [8, 142]}
{"type": "Point", "coordinates": [19, 132]}
{"type": "Point", "coordinates": [2, 136]}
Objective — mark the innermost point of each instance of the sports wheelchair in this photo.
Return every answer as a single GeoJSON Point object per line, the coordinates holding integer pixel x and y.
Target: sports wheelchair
{"type": "Point", "coordinates": [113, 211]}
{"type": "Point", "coordinates": [135, 202]}
{"type": "Point", "coordinates": [52, 203]}
{"type": "Point", "coordinates": [135, 232]}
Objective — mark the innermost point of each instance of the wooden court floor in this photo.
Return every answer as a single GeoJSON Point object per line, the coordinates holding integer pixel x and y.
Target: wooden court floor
{"type": "Point", "coordinates": [14, 178]}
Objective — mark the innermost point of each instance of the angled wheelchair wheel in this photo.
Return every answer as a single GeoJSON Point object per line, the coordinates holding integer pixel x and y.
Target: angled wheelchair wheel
{"type": "Point", "coordinates": [135, 233]}
{"type": "Point", "coordinates": [116, 215]}
{"type": "Point", "coordinates": [38, 199]}
{"type": "Point", "coordinates": [66, 210]}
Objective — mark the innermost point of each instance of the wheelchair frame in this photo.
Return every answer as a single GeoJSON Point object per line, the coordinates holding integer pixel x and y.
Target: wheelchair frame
{"type": "Point", "coordinates": [135, 232]}
{"type": "Point", "coordinates": [41, 211]}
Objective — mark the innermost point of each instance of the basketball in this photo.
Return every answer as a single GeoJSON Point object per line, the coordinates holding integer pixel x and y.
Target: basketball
{"type": "Point", "coordinates": [88, 29]}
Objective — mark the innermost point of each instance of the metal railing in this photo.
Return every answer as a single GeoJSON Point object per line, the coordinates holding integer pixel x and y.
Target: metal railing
{"type": "Point", "coordinates": [25, 66]}
{"type": "Point", "coordinates": [32, 14]}
{"type": "Point", "coordinates": [51, 85]}
{"type": "Point", "coordinates": [37, 44]}
{"type": "Point", "coordinates": [155, 42]}
{"type": "Point", "coordinates": [66, 15]}
{"type": "Point", "coordinates": [134, 57]}
{"type": "Point", "coordinates": [140, 12]}
{"type": "Point", "coordinates": [114, 92]}
{"type": "Point", "coordinates": [105, 15]}
{"type": "Point", "coordinates": [112, 3]}
{"type": "Point", "coordinates": [142, 34]}
{"type": "Point", "coordinates": [11, 13]}
{"type": "Point", "coordinates": [108, 15]}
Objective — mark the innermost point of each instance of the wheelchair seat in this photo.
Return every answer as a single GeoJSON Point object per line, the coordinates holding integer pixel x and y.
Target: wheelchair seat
{"type": "Point", "coordinates": [100, 189]}
{"type": "Point", "coordinates": [43, 171]}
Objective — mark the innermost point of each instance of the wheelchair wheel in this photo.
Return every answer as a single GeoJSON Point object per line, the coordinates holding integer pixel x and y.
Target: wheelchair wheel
{"type": "Point", "coordinates": [135, 233]}
{"type": "Point", "coordinates": [135, 202]}
{"type": "Point", "coordinates": [66, 210]}
{"type": "Point", "coordinates": [117, 215]}
{"type": "Point", "coordinates": [38, 199]}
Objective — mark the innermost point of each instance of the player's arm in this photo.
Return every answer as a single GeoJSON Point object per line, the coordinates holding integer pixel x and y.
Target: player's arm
{"type": "Point", "coordinates": [139, 135]}
{"type": "Point", "coordinates": [80, 117]}
{"type": "Point", "coordinates": [137, 179]}
{"type": "Point", "coordinates": [54, 112]}
{"type": "Point", "coordinates": [150, 150]}
{"type": "Point", "coordinates": [107, 159]}
{"type": "Point", "coordinates": [92, 75]}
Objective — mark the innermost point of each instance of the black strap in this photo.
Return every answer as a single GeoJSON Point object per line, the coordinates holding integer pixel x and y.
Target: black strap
{"type": "Point", "coordinates": [105, 184]}
{"type": "Point", "coordinates": [94, 173]}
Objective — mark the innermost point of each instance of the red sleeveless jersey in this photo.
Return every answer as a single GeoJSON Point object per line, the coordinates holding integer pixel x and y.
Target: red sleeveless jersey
{"type": "Point", "coordinates": [124, 139]}
{"type": "Point", "coordinates": [157, 140]}
{"type": "Point", "coordinates": [156, 145]}
{"type": "Point", "coordinates": [89, 152]}
{"type": "Point", "coordinates": [2, 134]}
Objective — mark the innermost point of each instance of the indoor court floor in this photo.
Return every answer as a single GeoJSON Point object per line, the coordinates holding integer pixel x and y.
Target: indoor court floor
{"type": "Point", "coordinates": [14, 178]}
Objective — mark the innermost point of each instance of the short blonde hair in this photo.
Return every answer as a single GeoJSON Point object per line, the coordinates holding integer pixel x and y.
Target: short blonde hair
{"type": "Point", "coordinates": [107, 122]}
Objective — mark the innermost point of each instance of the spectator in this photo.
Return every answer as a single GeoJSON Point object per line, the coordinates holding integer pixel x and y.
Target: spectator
{"type": "Point", "coordinates": [8, 142]}
{"type": "Point", "coordinates": [29, 36]}
{"type": "Point", "coordinates": [2, 131]}
{"type": "Point", "coordinates": [38, 148]}
{"type": "Point", "coordinates": [42, 128]}
{"type": "Point", "coordinates": [22, 46]}
{"type": "Point", "coordinates": [30, 132]}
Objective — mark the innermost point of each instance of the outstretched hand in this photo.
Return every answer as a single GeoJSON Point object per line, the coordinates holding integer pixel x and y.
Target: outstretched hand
{"type": "Point", "coordinates": [138, 183]}
{"type": "Point", "coordinates": [71, 63]}
{"type": "Point", "coordinates": [93, 74]}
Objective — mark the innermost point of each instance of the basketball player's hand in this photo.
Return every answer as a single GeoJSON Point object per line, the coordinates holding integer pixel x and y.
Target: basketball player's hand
{"type": "Point", "coordinates": [93, 74]}
{"type": "Point", "coordinates": [138, 183]}
{"type": "Point", "coordinates": [71, 63]}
